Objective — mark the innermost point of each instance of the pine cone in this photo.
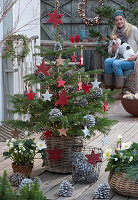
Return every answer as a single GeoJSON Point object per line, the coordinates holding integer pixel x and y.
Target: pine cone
{"type": "Point", "coordinates": [68, 74]}
{"type": "Point", "coordinates": [66, 189]}
{"type": "Point", "coordinates": [41, 76]}
{"type": "Point", "coordinates": [25, 182]}
{"type": "Point", "coordinates": [90, 120]}
{"type": "Point", "coordinates": [55, 112]}
{"type": "Point", "coordinates": [16, 179]}
{"type": "Point", "coordinates": [83, 102]}
{"type": "Point", "coordinates": [102, 191]}
{"type": "Point", "coordinates": [99, 93]}
{"type": "Point", "coordinates": [58, 46]}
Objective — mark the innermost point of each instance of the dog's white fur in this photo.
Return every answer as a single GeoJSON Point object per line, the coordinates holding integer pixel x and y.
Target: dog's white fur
{"type": "Point", "coordinates": [124, 49]}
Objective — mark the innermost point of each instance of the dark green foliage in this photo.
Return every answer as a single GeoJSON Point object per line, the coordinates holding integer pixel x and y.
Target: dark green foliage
{"type": "Point", "coordinates": [31, 193]}
{"type": "Point", "coordinates": [6, 192]}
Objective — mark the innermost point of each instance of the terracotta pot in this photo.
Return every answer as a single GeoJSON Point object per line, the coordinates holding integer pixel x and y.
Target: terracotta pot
{"type": "Point", "coordinates": [24, 169]}
{"type": "Point", "coordinates": [131, 106]}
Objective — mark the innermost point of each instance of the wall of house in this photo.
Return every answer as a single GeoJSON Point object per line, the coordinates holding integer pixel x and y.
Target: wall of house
{"type": "Point", "coordinates": [23, 18]}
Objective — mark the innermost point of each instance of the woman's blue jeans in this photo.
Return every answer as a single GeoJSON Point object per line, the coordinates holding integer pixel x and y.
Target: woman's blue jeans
{"type": "Point", "coordinates": [116, 66]}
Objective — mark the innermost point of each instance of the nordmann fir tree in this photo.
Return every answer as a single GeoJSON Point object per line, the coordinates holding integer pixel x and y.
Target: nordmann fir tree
{"type": "Point", "coordinates": [67, 99]}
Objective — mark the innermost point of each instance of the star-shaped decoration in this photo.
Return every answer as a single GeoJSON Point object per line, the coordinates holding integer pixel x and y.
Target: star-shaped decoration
{"type": "Point", "coordinates": [94, 158]}
{"type": "Point", "coordinates": [27, 117]}
{"type": "Point", "coordinates": [43, 68]}
{"type": "Point", "coordinates": [62, 131]}
{"type": "Point", "coordinates": [15, 133]}
{"type": "Point", "coordinates": [105, 140]}
{"type": "Point", "coordinates": [47, 134]}
{"type": "Point", "coordinates": [105, 106]}
{"type": "Point", "coordinates": [55, 154]}
{"type": "Point", "coordinates": [73, 57]}
{"type": "Point", "coordinates": [81, 60]}
{"type": "Point", "coordinates": [30, 95]}
{"type": "Point", "coordinates": [62, 99]}
{"type": "Point", "coordinates": [60, 61]}
{"type": "Point", "coordinates": [47, 96]}
{"type": "Point", "coordinates": [95, 84]}
{"type": "Point", "coordinates": [54, 18]}
{"type": "Point", "coordinates": [86, 87]}
{"type": "Point", "coordinates": [61, 83]}
{"type": "Point", "coordinates": [79, 85]}
{"type": "Point", "coordinates": [86, 131]}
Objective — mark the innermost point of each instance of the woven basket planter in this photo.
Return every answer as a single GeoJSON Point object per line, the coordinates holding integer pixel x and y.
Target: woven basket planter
{"type": "Point", "coordinates": [122, 185]}
{"type": "Point", "coordinates": [64, 143]}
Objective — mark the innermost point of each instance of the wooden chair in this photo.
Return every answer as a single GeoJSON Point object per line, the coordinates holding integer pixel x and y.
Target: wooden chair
{"type": "Point", "coordinates": [132, 82]}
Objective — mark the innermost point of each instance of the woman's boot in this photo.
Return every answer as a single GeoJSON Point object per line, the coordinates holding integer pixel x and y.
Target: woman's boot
{"type": "Point", "coordinates": [109, 80]}
{"type": "Point", "coordinates": [119, 81]}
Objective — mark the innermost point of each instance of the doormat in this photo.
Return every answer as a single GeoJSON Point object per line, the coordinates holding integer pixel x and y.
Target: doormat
{"type": "Point", "coordinates": [6, 133]}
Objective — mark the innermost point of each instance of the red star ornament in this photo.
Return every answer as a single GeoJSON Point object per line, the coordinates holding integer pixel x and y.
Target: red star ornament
{"type": "Point", "coordinates": [79, 85]}
{"type": "Point", "coordinates": [62, 99]}
{"type": "Point", "coordinates": [54, 18]}
{"type": "Point", "coordinates": [61, 82]}
{"type": "Point", "coordinates": [94, 158]}
{"type": "Point", "coordinates": [105, 106]}
{"type": "Point", "coordinates": [86, 87]}
{"type": "Point", "coordinates": [73, 57]}
{"type": "Point", "coordinates": [48, 134]}
{"type": "Point", "coordinates": [30, 95]}
{"type": "Point", "coordinates": [43, 68]}
{"type": "Point", "coordinates": [55, 154]}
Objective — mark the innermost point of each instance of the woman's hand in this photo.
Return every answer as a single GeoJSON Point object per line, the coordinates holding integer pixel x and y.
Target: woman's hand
{"type": "Point", "coordinates": [132, 58]}
{"type": "Point", "coordinates": [115, 47]}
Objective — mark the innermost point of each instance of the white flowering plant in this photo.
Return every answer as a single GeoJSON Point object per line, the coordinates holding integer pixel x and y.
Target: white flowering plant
{"type": "Point", "coordinates": [23, 151]}
{"type": "Point", "coordinates": [124, 159]}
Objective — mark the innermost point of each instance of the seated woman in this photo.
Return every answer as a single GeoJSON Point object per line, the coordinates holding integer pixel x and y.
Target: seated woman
{"type": "Point", "coordinates": [114, 68]}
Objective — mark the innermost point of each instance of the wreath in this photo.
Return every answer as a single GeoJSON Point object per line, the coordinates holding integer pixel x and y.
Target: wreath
{"type": "Point", "coordinates": [10, 47]}
{"type": "Point", "coordinates": [88, 21]}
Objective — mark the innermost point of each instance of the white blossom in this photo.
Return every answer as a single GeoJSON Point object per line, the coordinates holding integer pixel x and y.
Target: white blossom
{"type": "Point", "coordinates": [126, 145]}
{"type": "Point", "coordinates": [107, 152]}
{"type": "Point", "coordinates": [41, 144]}
{"type": "Point", "coordinates": [116, 159]}
{"type": "Point", "coordinates": [131, 158]}
{"type": "Point", "coordinates": [119, 137]}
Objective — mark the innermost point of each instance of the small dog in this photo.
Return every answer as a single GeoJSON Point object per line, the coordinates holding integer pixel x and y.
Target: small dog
{"type": "Point", "coordinates": [124, 49]}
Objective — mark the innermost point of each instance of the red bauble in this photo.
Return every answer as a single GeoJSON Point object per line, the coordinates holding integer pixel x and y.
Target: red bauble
{"type": "Point", "coordinates": [55, 154]}
{"type": "Point", "coordinates": [30, 95]}
{"type": "Point", "coordinates": [48, 134]}
{"type": "Point", "coordinates": [79, 85]}
{"type": "Point", "coordinates": [61, 82]}
{"type": "Point", "coordinates": [86, 88]}
{"type": "Point", "coordinates": [94, 158]}
{"type": "Point", "coordinates": [105, 106]}
{"type": "Point", "coordinates": [73, 57]}
{"type": "Point", "coordinates": [62, 99]}
{"type": "Point", "coordinates": [43, 68]}
{"type": "Point", "coordinates": [54, 18]}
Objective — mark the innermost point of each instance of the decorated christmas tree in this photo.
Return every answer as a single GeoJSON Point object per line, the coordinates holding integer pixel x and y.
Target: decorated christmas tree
{"type": "Point", "coordinates": [70, 102]}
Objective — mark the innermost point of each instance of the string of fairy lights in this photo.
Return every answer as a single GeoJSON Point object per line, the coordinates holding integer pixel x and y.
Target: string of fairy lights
{"type": "Point", "coordinates": [86, 20]}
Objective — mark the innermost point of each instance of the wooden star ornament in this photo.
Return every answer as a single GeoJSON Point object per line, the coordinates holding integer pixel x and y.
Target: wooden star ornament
{"type": "Point", "coordinates": [54, 18]}
{"type": "Point", "coordinates": [63, 131]}
{"type": "Point", "coordinates": [94, 158]}
{"type": "Point", "coordinates": [47, 96]}
{"type": "Point", "coordinates": [55, 154]}
{"type": "Point", "coordinates": [60, 61]}
{"type": "Point", "coordinates": [47, 134]}
{"type": "Point", "coordinates": [30, 95]}
{"type": "Point", "coordinates": [62, 99]}
{"type": "Point", "coordinates": [95, 84]}
{"type": "Point", "coordinates": [61, 83]}
{"type": "Point", "coordinates": [86, 87]}
{"type": "Point", "coordinates": [43, 68]}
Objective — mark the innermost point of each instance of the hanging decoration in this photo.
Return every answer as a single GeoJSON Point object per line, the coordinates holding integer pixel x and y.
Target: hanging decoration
{"type": "Point", "coordinates": [47, 134]}
{"type": "Point", "coordinates": [73, 57]}
{"type": "Point", "coordinates": [79, 85]}
{"type": "Point", "coordinates": [27, 117]}
{"type": "Point", "coordinates": [62, 99]}
{"type": "Point", "coordinates": [62, 131]}
{"type": "Point", "coordinates": [30, 95]}
{"type": "Point", "coordinates": [86, 87]}
{"type": "Point", "coordinates": [55, 154]}
{"type": "Point", "coordinates": [86, 131]}
{"type": "Point", "coordinates": [95, 84]}
{"type": "Point", "coordinates": [54, 18]}
{"type": "Point", "coordinates": [94, 158]}
{"type": "Point", "coordinates": [105, 106]}
{"type": "Point", "coordinates": [81, 57]}
{"type": "Point", "coordinates": [43, 68]}
{"type": "Point", "coordinates": [60, 61]}
{"type": "Point", "coordinates": [61, 82]}
{"type": "Point", "coordinates": [47, 96]}
{"type": "Point", "coordinates": [86, 20]}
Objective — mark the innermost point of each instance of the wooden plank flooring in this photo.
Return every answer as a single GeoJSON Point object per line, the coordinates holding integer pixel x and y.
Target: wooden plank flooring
{"type": "Point", "coordinates": [127, 127]}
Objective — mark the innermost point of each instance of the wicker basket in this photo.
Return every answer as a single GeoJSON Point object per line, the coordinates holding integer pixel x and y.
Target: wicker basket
{"type": "Point", "coordinates": [64, 143]}
{"type": "Point", "coordinates": [121, 184]}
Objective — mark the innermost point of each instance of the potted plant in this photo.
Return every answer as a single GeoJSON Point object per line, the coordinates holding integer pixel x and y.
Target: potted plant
{"type": "Point", "coordinates": [23, 152]}
{"type": "Point", "coordinates": [123, 167]}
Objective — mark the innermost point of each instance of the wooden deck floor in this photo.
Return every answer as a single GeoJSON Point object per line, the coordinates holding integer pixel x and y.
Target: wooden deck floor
{"type": "Point", "coordinates": [127, 127]}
